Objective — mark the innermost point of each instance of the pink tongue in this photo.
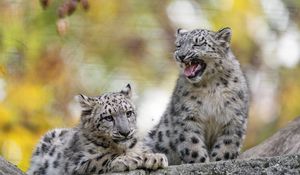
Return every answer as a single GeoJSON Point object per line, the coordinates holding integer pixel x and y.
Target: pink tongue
{"type": "Point", "coordinates": [190, 70]}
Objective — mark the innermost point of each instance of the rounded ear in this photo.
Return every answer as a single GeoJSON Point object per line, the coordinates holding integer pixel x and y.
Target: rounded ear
{"type": "Point", "coordinates": [85, 101]}
{"type": "Point", "coordinates": [180, 31]}
{"type": "Point", "coordinates": [224, 35]}
{"type": "Point", "coordinates": [127, 91]}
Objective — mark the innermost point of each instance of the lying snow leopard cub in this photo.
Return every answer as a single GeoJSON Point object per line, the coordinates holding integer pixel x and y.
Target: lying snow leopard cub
{"type": "Point", "coordinates": [104, 141]}
{"type": "Point", "coordinates": [207, 115]}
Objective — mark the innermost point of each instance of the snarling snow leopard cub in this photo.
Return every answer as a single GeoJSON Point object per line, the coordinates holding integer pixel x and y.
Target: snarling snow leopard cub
{"type": "Point", "coordinates": [207, 115]}
{"type": "Point", "coordinates": [104, 141]}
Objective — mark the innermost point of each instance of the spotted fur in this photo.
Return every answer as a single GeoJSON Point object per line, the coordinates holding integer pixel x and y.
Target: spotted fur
{"type": "Point", "coordinates": [207, 115]}
{"type": "Point", "coordinates": [104, 141]}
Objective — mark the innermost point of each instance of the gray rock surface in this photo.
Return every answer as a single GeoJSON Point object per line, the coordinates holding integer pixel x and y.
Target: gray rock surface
{"type": "Point", "coordinates": [7, 168]}
{"type": "Point", "coordinates": [285, 145]}
{"type": "Point", "coordinates": [289, 164]}
{"type": "Point", "coordinates": [286, 141]}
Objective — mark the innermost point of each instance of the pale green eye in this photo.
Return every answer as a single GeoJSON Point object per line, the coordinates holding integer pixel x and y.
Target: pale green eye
{"type": "Point", "coordinates": [196, 40]}
{"type": "Point", "coordinates": [198, 44]}
{"type": "Point", "coordinates": [129, 114]}
{"type": "Point", "coordinates": [109, 118]}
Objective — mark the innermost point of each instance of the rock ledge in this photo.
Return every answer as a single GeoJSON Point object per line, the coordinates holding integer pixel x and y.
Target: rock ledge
{"type": "Point", "coordinates": [288, 164]}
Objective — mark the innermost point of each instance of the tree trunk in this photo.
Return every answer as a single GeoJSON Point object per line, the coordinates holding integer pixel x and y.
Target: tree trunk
{"type": "Point", "coordinates": [284, 142]}
{"type": "Point", "coordinates": [7, 168]}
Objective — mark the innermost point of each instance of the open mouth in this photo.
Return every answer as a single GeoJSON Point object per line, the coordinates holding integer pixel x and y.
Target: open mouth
{"type": "Point", "coordinates": [194, 68]}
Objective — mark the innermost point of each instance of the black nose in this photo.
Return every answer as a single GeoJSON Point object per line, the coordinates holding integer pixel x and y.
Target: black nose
{"type": "Point", "coordinates": [124, 133]}
{"type": "Point", "coordinates": [181, 57]}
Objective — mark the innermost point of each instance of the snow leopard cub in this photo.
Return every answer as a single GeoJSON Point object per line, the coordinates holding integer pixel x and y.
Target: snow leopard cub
{"type": "Point", "coordinates": [207, 116]}
{"type": "Point", "coordinates": [104, 141]}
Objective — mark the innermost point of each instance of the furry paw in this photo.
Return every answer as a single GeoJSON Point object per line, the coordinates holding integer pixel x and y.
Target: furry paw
{"type": "Point", "coordinates": [155, 161]}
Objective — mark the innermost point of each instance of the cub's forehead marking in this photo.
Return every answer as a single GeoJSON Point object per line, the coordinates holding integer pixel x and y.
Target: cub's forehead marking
{"type": "Point", "coordinates": [115, 102]}
{"type": "Point", "coordinates": [111, 97]}
{"type": "Point", "coordinates": [199, 32]}
{"type": "Point", "coordinates": [195, 32]}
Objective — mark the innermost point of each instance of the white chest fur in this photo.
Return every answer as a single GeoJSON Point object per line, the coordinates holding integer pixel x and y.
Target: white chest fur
{"type": "Point", "coordinates": [208, 105]}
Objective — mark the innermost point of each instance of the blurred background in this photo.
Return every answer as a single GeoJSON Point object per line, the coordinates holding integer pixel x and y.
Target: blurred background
{"type": "Point", "coordinates": [48, 57]}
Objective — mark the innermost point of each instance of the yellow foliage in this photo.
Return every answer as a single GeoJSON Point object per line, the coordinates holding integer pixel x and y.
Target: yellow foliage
{"type": "Point", "coordinates": [17, 145]}
{"type": "Point", "coordinates": [6, 115]}
{"type": "Point", "coordinates": [28, 96]}
{"type": "Point", "coordinates": [2, 71]}
{"type": "Point", "coordinates": [107, 11]}
{"type": "Point", "coordinates": [290, 107]}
